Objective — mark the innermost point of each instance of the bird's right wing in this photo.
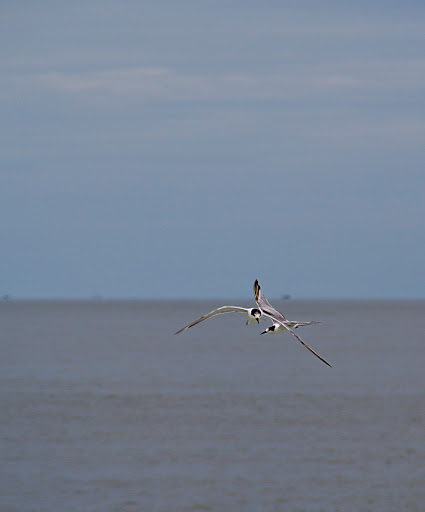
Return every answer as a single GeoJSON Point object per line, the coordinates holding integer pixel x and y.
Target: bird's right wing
{"type": "Point", "coordinates": [265, 305]}
{"type": "Point", "coordinates": [218, 311]}
{"type": "Point", "coordinates": [305, 344]}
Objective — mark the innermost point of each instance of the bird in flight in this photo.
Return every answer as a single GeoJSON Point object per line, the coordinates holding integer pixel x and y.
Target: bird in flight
{"type": "Point", "coordinates": [254, 315]}
{"type": "Point", "coordinates": [280, 323]}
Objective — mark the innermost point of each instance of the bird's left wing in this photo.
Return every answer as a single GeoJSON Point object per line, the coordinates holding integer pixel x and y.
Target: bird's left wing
{"type": "Point", "coordinates": [218, 311]}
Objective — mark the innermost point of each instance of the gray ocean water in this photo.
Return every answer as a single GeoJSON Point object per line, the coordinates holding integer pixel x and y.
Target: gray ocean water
{"type": "Point", "coordinates": [104, 409]}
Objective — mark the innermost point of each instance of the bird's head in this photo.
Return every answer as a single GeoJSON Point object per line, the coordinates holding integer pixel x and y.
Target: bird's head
{"type": "Point", "coordinates": [269, 329]}
{"type": "Point", "coordinates": [256, 314]}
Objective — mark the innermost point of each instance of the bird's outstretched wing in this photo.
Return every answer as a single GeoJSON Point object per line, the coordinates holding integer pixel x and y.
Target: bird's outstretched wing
{"type": "Point", "coordinates": [218, 311]}
{"type": "Point", "coordinates": [305, 344]}
{"type": "Point", "coordinates": [265, 305]}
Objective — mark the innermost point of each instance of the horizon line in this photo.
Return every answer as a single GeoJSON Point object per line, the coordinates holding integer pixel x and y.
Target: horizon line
{"type": "Point", "coordinates": [285, 298]}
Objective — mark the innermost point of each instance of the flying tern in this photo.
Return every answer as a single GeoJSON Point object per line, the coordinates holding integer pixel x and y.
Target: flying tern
{"type": "Point", "coordinates": [254, 315]}
{"type": "Point", "coordinates": [280, 323]}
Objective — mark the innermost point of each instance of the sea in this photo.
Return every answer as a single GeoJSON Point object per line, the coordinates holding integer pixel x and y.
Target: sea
{"type": "Point", "coordinates": [104, 409]}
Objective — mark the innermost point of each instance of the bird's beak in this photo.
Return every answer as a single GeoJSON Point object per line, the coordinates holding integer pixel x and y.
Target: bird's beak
{"type": "Point", "coordinates": [258, 320]}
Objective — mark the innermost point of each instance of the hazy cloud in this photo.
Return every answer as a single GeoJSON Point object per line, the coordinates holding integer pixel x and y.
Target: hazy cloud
{"type": "Point", "coordinates": [145, 144]}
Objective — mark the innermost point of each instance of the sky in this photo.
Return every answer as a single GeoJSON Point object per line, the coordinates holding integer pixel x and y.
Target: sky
{"type": "Point", "coordinates": [166, 149]}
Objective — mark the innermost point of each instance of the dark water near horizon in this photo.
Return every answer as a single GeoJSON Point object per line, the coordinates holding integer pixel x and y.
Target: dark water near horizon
{"type": "Point", "coordinates": [103, 409]}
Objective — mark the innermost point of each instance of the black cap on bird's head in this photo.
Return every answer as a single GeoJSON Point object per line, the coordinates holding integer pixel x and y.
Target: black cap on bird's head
{"type": "Point", "coordinates": [269, 329]}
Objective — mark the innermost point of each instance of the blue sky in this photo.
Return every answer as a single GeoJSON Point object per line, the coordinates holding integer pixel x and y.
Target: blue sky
{"type": "Point", "coordinates": [184, 149]}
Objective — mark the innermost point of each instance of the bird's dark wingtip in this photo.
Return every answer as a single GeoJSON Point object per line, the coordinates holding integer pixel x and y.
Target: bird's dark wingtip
{"type": "Point", "coordinates": [256, 289]}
